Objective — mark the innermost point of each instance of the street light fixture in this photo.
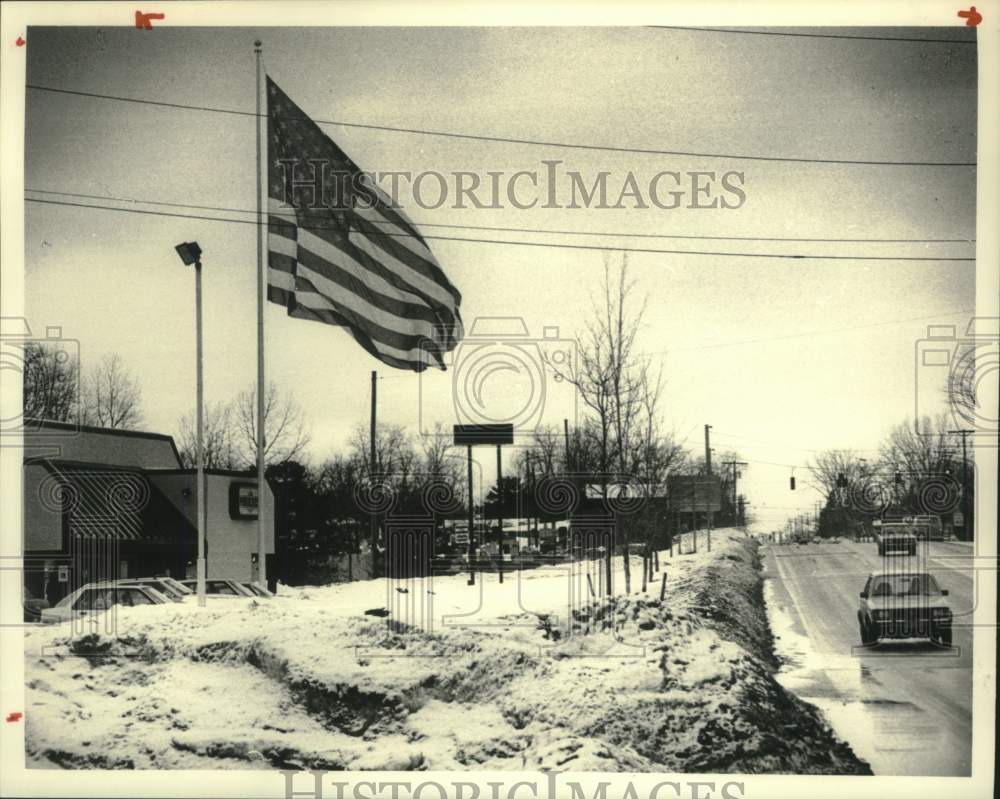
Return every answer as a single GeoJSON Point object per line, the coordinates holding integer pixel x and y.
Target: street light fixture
{"type": "Point", "coordinates": [190, 254]}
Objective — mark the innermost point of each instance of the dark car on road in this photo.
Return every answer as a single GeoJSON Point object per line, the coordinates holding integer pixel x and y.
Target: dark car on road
{"type": "Point", "coordinates": [892, 537]}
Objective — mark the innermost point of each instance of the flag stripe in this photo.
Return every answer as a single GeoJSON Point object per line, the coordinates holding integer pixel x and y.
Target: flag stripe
{"type": "Point", "coordinates": [393, 214]}
{"type": "Point", "coordinates": [388, 270]}
{"type": "Point", "coordinates": [327, 309]}
{"type": "Point", "coordinates": [400, 254]}
{"type": "Point", "coordinates": [402, 317]}
{"type": "Point", "coordinates": [410, 274]}
{"type": "Point", "coordinates": [383, 327]}
{"type": "Point", "coordinates": [374, 279]}
{"type": "Point", "coordinates": [404, 237]}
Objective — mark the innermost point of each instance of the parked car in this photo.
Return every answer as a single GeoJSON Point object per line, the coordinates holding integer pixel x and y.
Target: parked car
{"type": "Point", "coordinates": [220, 587]}
{"type": "Point", "coordinates": [904, 605]}
{"type": "Point", "coordinates": [32, 607]}
{"type": "Point", "coordinates": [257, 590]}
{"type": "Point", "coordinates": [170, 588]}
{"type": "Point", "coordinates": [99, 597]}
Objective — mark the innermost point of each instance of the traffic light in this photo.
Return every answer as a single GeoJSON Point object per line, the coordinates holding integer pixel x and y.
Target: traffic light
{"type": "Point", "coordinates": [791, 483]}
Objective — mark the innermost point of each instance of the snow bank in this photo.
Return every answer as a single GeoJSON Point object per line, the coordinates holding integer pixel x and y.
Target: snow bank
{"type": "Point", "coordinates": [537, 673]}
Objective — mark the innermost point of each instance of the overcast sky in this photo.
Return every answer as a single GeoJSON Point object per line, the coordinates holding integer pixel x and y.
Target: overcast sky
{"type": "Point", "coordinates": [782, 357]}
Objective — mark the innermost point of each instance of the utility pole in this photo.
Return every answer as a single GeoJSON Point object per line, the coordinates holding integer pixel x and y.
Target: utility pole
{"type": "Point", "coordinates": [735, 464]}
{"type": "Point", "coordinates": [567, 471]}
{"type": "Point", "coordinates": [708, 451]}
{"type": "Point", "coordinates": [499, 515]}
{"type": "Point", "coordinates": [965, 485]}
{"type": "Point", "coordinates": [566, 441]}
{"type": "Point", "coordinates": [708, 471]}
{"type": "Point", "coordinates": [472, 520]}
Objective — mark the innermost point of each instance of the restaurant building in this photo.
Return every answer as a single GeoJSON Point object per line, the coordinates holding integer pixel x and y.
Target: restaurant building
{"type": "Point", "coordinates": [109, 504]}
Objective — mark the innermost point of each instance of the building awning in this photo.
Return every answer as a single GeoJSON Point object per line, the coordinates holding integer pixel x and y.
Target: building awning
{"type": "Point", "coordinates": [108, 503]}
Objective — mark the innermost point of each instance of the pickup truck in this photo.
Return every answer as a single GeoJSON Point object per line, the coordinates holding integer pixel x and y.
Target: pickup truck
{"type": "Point", "coordinates": [904, 605]}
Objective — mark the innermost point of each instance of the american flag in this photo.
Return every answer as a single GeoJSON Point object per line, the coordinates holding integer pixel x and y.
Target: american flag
{"type": "Point", "coordinates": [339, 252]}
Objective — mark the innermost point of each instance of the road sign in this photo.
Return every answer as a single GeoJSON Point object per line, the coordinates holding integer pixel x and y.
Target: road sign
{"type": "Point", "coordinates": [694, 493]}
{"type": "Point", "coordinates": [475, 434]}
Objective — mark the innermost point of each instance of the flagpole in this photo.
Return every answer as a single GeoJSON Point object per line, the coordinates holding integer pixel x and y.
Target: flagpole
{"type": "Point", "coordinates": [374, 467]}
{"type": "Point", "coordinates": [261, 232]}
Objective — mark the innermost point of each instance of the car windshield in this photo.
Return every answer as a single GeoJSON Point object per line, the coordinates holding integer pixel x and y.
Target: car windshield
{"type": "Point", "coordinates": [161, 586]}
{"type": "Point", "coordinates": [104, 598]}
{"type": "Point", "coordinates": [904, 585]}
{"type": "Point", "coordinates": [165, 588]}
{"type": "Point", "coordinates": [181, 588]}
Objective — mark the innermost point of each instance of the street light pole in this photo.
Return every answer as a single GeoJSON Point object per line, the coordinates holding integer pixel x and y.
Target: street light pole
{"type": "Point", "coordinates": [200, 433]}
{"type": "Point", "coordinates": [190, 254]}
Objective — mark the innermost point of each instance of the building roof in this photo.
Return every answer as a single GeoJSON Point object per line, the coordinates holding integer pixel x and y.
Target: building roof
{"type": "Point", "coordinates": [110, 446]}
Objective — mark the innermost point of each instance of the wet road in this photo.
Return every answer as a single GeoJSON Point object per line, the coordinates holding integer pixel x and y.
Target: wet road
{"type": "Point", "coordinates": [904, 706]}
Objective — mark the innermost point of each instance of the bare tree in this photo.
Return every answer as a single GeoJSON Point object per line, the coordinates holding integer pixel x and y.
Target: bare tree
{"type": "Point", "coordinates": [544, 456]}
{"type": "Point", "coordinates": [111, 395]}
{"type": "Point", "coordinates": [438, 461]}
{"type": "Point", "coordinates": [51, 384]}
{"type": "Point", "coordinates": [285, 435]}
{"type": "Point", "coordinates": [616, 383]}
{"type": "Point", "coordinates": [920, 448]}
{"type": "Point", "coordinates": [217, 439]}
{"type": "Point", "coordinates": [830, 466]}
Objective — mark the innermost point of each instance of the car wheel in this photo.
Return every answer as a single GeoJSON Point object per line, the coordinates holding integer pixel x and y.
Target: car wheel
{"type": "Point", "coordinates": [867, 636]}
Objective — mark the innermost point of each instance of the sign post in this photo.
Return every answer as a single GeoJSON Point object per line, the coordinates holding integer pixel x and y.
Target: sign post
{"type": "Point", "coordinates": [469, 435]}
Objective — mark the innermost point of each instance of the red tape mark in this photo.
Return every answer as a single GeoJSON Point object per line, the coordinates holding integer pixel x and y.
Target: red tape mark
{"type": "Point", "coordinates": [19, 41]}
{"type": "Point", "coordinates": [15, 716]}
{"type": "Point", "coordinates": [144, 21]}
{"type": "Point", "coordinates": [971, 17]}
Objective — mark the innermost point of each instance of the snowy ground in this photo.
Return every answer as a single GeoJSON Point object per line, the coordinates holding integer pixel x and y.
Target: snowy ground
{"type": "Point", "coordinates": [536, 673]}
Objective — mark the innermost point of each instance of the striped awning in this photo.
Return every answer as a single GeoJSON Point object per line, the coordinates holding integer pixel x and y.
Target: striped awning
{"type": "Point", "coordinates": [109, 503]}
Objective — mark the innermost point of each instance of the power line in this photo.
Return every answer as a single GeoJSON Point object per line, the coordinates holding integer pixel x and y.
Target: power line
{"type": "Point", "coordinates": [510, 140]}
{"type": "Point", "coordinates": [809, 333]}
{"type": "Point", "coordinates": [757, 442]}
{"type": "Point", "coordinates": [816, 35]}
{"type": "Point", "coordinates": [527, 230]}
{"type": "Point", "coordinates": [517, 243]}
